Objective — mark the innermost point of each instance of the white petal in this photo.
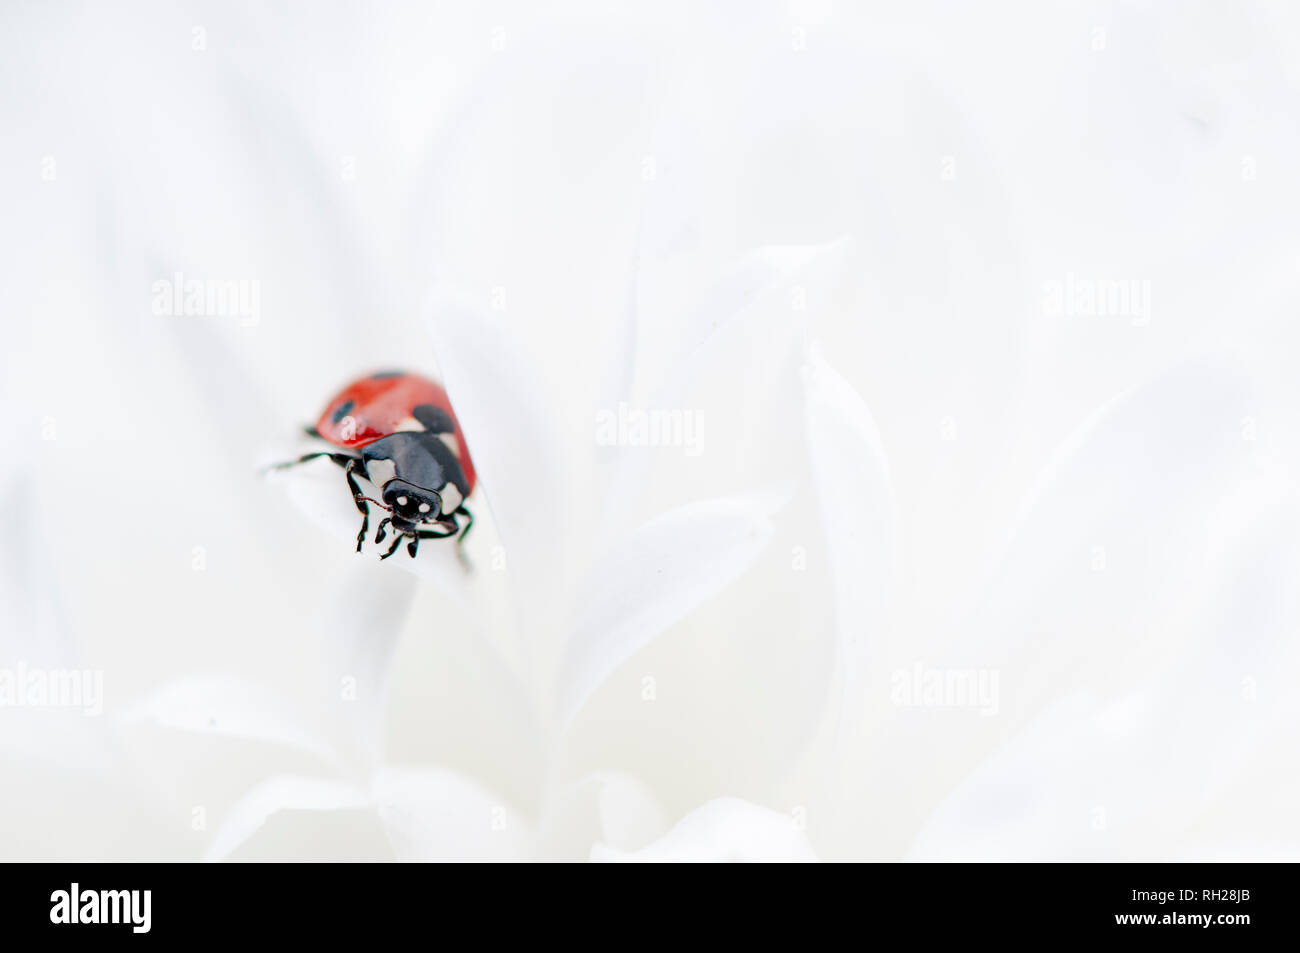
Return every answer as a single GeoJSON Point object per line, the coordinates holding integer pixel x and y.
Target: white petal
{"type": "Point", "coordinates": [764, 271]}
{"type": "Point", "coordinates": [745, 323]}
{"type": "Point", "coordinates": [1115, 526]}
{"type": "Point", "coordinates": [723, 830]}
{"type": "Point", "coordinates": [284, 792]}
{"type": "Point", "coordinates": [1171, 765]}
{"type": "Point", "coordinates": [857, 507]}
{"type": "Point", "coordinates": [630, 815]}
{"type": "Point", "coordinates": [653, 578]}
{"type": "Point", "coordinates": [605, 807]}
{"type": "Point", "coordinates": [724, 319]}
{"type": "Point", "coordinates": [29, 589]}
{"type": "Point", "coordinates": [362, 616]}
{"type": "Point", "coordinates": [232, 708]}
{"type": "Point", "coordinates": [1113, 557]}
{"type": "Point", "coordinates": [432, 814]}
{"type": "Point", "coordinates": [620, 367]}
{"type": "Point", "coordinates": [511, 438]}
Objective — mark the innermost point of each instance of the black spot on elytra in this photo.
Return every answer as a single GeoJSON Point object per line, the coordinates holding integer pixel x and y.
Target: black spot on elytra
{"type": "Point", "coordinates": [433, 419]}
{"type": "Point", "coordinates": [345, 408]}
{"type": "Point", "coordinates": [385, 375]}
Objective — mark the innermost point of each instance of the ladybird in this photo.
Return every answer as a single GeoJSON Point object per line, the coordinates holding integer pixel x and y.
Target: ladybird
{"type": "Point", "coordinates": [397, 430]}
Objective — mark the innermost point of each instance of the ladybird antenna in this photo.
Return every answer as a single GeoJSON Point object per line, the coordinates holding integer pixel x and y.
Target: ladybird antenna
{"type": "Point", "coordinates": [371, 499]}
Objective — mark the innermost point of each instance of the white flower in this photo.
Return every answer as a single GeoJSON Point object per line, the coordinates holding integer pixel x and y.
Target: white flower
{"type": "Point", "coordinates": [623, 591]}
{"type": "Point", "coordinates": [921, 455]}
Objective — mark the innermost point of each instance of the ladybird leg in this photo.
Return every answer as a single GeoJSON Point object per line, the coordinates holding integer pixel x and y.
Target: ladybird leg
{"type": "Point", "coordinates": [359, 498]}
{"type": "Point", "coordinates": [342, 459]}
{"type": "Point", "coordinates": [379, 536]}
{"type": "Point", "coordinates": [397, 541]}
{"type": "Point", "coordinates": [448, 527]}
{"type": "Point", "coordinates": [413, 545]}
{"type": "Point", "coordinates": [460, 540]}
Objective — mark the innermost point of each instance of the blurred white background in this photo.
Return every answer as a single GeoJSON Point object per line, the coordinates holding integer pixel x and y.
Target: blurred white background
{"type": "Point", "coordinates": [979, 538]}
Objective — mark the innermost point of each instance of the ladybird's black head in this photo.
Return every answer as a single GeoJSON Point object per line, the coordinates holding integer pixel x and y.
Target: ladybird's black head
{"type": "Point", "coordinates": [411, 503]}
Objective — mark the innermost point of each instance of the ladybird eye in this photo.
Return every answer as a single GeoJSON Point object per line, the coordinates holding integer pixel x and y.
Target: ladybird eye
{"type": "Point", "coordinates": [424, 507]}
{"type": "Point", "coordinates": [402, 501]}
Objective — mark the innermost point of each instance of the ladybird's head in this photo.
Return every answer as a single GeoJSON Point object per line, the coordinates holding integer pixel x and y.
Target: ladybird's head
{"type": "Point", "coordinates": [412, 503]}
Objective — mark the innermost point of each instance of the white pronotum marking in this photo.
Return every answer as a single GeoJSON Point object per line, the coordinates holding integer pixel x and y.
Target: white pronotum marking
{"type": "Point", "coordinates": [451, 498]}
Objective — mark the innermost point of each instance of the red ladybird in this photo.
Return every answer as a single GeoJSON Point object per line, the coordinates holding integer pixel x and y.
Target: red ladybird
{"type": "Point", "coordinates": [397, 430]}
